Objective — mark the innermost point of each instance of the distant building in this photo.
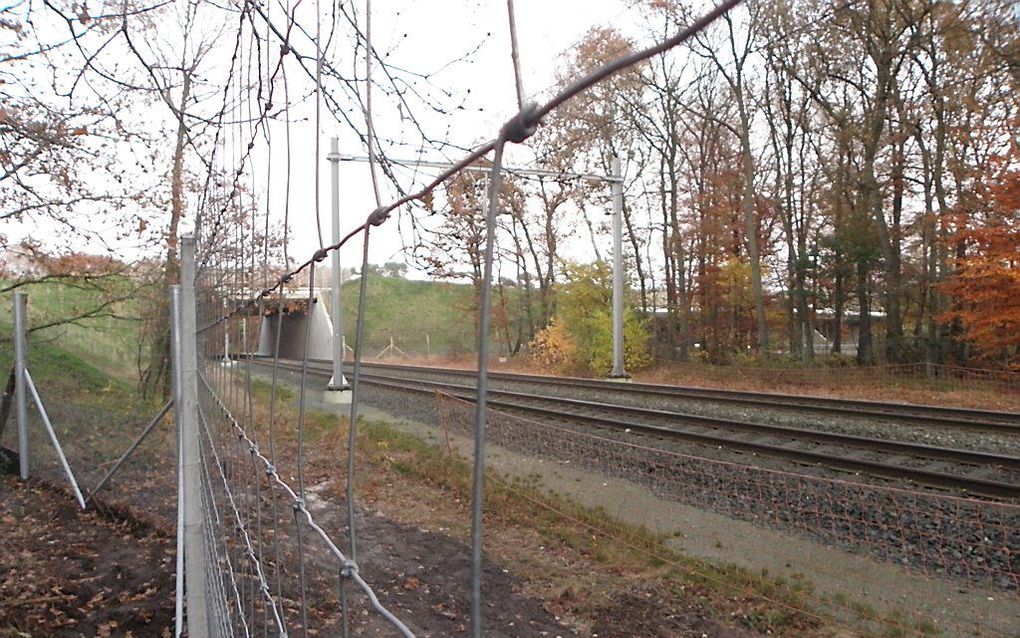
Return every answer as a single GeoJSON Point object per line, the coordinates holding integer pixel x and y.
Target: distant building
{"type": "Point", "coordinates": [825, 327]}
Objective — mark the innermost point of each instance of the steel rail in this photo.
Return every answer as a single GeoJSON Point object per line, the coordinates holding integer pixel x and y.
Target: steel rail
{"type": "Point", "coordinates": [974, 419]}
{"type": "Point", "coordinates": [973, 485]}
{"type": "Point", "coordinates": [922, 475]}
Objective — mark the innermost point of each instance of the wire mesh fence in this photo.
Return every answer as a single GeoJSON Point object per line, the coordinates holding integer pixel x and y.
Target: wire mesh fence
{"type": "Point", "coordinates": [257, 502]}
{"type": "Point", "coordinates": [95, 420]}
{"type": "Point", "coordinates": [517, 129]}
{"type": "Point", "coordinates": [270, 562]}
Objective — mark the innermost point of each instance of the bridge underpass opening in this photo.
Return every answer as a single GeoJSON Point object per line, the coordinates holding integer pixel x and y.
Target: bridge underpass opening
{"type": "Point", "coordinates": [300, 317]}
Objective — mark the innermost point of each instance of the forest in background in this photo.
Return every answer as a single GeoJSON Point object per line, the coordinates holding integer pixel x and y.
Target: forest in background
{"type": "Point", "coordinates": [802, 175]}
{"type": "Point", "coordinates": [804, 167]}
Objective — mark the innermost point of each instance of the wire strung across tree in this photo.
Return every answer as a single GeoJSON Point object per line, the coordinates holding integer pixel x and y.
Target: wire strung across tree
{"type": "Point", "coordinates": [256, 592]}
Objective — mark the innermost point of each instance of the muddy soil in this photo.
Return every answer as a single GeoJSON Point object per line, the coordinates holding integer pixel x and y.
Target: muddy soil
{"type": "Point", "coordinates": [65, 572]}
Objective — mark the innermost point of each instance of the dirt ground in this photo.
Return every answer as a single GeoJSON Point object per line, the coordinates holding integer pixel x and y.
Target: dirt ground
{"type": "Point", "coordinates": [68, 573]}
{"type": "Point", "coordinates": [65, 572]}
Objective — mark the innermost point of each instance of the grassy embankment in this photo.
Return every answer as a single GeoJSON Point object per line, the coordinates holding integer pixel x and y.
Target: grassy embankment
{"type": "Point", "coordinates": [420, 316]}
{"type": "Point", "coordinates": [107, 343]}
{"type": "Point", "coordinates": [408, 310]}
{"type": "Point", "coordinates": [86, 373]}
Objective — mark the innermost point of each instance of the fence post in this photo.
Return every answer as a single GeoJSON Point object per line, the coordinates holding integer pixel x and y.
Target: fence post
{"type": "Point", "coordinates": [185, 369]}
{"type": "Point", "coordinates": [20, 361]}
{"type": "Point", "coordinates": [618, 371]}
{"type": "Point", "coordinates": [337, 381]}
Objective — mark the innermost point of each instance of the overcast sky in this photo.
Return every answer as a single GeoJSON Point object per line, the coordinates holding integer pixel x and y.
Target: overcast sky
{"type": "Point", "coordinates": [437, 32]}
{"type": "Point", "coordinates": [422, 36]}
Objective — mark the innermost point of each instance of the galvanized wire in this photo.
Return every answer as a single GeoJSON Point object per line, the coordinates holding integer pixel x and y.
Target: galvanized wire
{"type": "Point", "coordinates": [516, 130]}
{"type": "Point", "coordinates": [216, 536]}
{"type": "Point", "coordinates": [522, 124]}
{"type": "Point", "coordinates": [242, 530]}
{"type": "Point", "coordinates": [484, 316]}
{"type": "Point", "coordinates": [301, 509]}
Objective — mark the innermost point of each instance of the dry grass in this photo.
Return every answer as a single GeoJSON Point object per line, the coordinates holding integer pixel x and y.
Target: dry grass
{"type": "Point", "coordinates": [584, 562]}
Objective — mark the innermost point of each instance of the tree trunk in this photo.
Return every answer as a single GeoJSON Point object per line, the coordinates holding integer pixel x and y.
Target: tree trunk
{"type": "Point", "coordinates": [747, 205]}
{"type": "Point", "coordinates": [893, 269]}
{"type": "Point", "coordinates": [156, 377]}
{"type": "Point", "coordinates": [865, 353]}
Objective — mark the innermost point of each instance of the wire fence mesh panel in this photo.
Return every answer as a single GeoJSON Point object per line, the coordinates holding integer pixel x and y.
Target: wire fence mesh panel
{"type": "Point", "coordinates": [273, 538]}
{"type": "Point", "coordinates": [912, 382]}
{"type": "Point", "coordinates": [214, 321]}
{"type": "Point", "coordinates": [275, 566]}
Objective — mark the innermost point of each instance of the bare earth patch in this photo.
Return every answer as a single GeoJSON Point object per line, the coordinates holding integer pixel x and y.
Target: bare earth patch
{"type": "Point", "coordinates": [64, 572]}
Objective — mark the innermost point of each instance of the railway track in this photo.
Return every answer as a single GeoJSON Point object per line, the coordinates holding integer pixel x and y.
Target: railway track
{"type": "Point", "coordinates": [973, 472]}
{"type": "Point", "coordinates": [959, 418]}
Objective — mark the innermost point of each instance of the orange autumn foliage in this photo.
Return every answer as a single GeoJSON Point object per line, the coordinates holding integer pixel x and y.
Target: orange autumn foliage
{"type": "Point", "coordinates": [986, 285]}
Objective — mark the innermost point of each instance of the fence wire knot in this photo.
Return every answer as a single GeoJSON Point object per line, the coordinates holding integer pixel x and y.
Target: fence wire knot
{"type": "Point", "coordinates": [299, 504]}
{"type": "Point", "coordinates": [378, 216]}
{"type": "Point", "coordinates": [348, 568]}
{"type": "Point", "coordinates": [523, 125]}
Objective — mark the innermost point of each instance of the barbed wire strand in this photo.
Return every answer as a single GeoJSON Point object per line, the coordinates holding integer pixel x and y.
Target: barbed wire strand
{"type": "Point", "coordinates": [530, 115]}
{"type": "Point", "coordinates": [250, 342]}
{"type": "Point", "coordinates": [274, 505]}
{"type": "Point", "coordinates": [235, 261]}
{"type": "Point", "coordinates": [273, 398]}
{"type": "Point", "coordinates": [302, 412]}
{"type": "Point", "coordinates": [370, 141]}
{"type": "Point", "coordinates": [356, 394]}
{"type": "Point", "coordinates": [262, 121]}
{"type": "Point", "coordinates": [352, 428]}
{"type": "Point", "coordinates": [517, 130]}
{"type": "Point", "coordinates": [484, 316]}
{"type": "Point", "coordinates": [318, 118]}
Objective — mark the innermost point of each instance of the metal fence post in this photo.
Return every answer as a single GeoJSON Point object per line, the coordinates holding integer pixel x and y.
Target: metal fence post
{"type": "Point", "coordinates": [20, 361]}
{"type": "Point", "coordinates": [618, 371]}
{"type": "Point", "coordinates": [337, 382]}
{"type": "Point", "coordinates": [226, 334]}
{"type": "Point", "coordinates": [185, 369]}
